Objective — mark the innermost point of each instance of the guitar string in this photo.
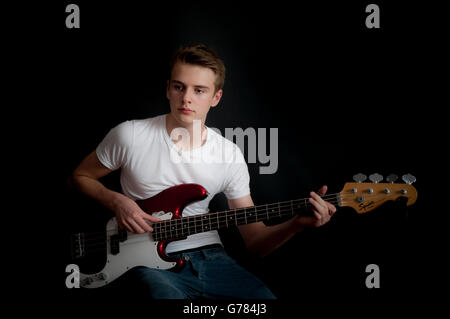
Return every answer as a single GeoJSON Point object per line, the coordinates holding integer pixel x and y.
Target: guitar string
{"type": "Point", "coordinates": [161, 232]}
{"type": "Point", "coordinates": [102, 245]}
{"type": "Point", "coordinates": [242, 210]}
{"type": "Point", "coordinates": [284, 211]}
{"type": "Point", "coordinates": [239, 213]}
{"type": "Point", "coordinates": [264, 206]}
{"type": "Point", "coordinates": [197, 219]}
{"type": "Point", "coordinates": [101, 234]}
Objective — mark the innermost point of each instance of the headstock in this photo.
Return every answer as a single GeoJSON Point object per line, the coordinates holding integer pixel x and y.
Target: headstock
{"type": "Point", "coordinates": [364, 197]}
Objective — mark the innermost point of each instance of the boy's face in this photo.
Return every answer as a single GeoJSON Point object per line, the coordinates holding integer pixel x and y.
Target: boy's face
{"type": "Point", "coordinates": [191, 93]}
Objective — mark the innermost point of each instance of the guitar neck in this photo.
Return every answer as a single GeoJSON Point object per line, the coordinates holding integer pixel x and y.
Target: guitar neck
{"type": "Point", "coordinates": [185, 226]}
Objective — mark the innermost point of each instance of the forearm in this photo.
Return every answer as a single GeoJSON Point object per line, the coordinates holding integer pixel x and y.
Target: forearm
{"type": "Point", "coordinates": [96, 190]}
{"type": "Point", "coordinates": [262, 240]}
{"type": "Point", "coordinates": [128, 214]}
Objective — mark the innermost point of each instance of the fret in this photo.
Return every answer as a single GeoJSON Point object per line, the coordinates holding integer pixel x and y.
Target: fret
{"type": "Point", "coordinates": [218, 222]}
{"type": "Point", "coordinates": [219, 215]}
{"type": "Point", "coordinates": [198, 224]}
{"type": "Point", "coordinates": [186, 227]}
{"type": "Point", "coordinates": [171, 228]}
{"type": "Point", "coordinates": [166, 228]}
{"type": "Point", "coordinates": [235, 218]}
{"type": "Point", "coordinates": [226, 218]}
{"type": "Point", "coordinates": [176, 227]}
{"type": "Point", "coordinates": [241, 220]}
{"type": "Point", "coordinates": [204, 219]}
{"type": "Point", "coordinates": [261, 214]}
{"type": "Point", "coordinates": [160, 232]}
{"type": "Point", "coordinates": [180, 224]}
{"type": "Point", "coordinates": [272, 211]}
{"type": "Point", "coordinates": [292, 208]}
{"type": "Point", "coordinates": [279, 209]}
{"type": "Point", "coordinates": [267, 211]}
{"type": "Point", "coordinates": [191, 225]}
{"type": "Point", "coordinates": [229, 218]}
{"type": "Point", "coordinates": [212, 222]}
{"type": "Point", "coordinates": [250, 215]}
{"type": "Point", "coordinates": [155, 231]}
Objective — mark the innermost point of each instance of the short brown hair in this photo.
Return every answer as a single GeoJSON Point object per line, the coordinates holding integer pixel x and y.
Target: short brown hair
{"type": "Point", "coordinates": [201, 55]}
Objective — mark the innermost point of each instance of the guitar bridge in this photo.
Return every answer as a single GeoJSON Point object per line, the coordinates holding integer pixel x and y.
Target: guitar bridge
{"type": "Point", "coordinates": [77, 245]}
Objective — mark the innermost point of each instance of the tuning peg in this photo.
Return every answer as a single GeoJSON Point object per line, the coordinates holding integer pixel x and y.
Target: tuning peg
{"type": "Point", "coordinates": [408, 178]}
{"type": "Point", "coordinates": [375, 178]}
{"type": "Point", "coordinates": [359, 178]}
{"type": "Point", "coordinates": [392, 178]}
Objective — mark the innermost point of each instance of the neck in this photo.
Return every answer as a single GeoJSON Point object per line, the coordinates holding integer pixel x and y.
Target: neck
{"type": "Point", "coordinates": [195, 137]}
{"type": "Point", "coordinates": [181, 227]}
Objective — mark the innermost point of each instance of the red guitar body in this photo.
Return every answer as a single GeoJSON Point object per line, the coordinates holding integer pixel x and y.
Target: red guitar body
{"type": "Point", "coordinates": [174, 200]}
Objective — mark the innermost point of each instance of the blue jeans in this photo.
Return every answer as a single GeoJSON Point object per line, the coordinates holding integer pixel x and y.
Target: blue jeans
{"type": "Point", "coordinates": [207, 273]}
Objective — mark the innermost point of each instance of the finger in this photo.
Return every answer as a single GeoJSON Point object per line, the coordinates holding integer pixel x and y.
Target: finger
{"type": "Point", "coordinates": [323, 190]}
{"type": "Point", "coordinates": [331, 208]}
{"type": "Point", "coordinates": [317, 216]}
{"type": "Point", "coordinates": [143, 224]}
{"type": "Point", "coordinates": [318, 199]}
{"type": "Point", "coordinates": [126, 226]}
{"type": "Point", "coordinates": [150, 218]}
{"type": "Point", "coordinates": [135, 227]}
{"type": "Point", "coordinates": [319, 208]}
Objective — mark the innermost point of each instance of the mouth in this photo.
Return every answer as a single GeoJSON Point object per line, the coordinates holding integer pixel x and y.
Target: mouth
{"type": "Point", "coordinates": [185, 110]}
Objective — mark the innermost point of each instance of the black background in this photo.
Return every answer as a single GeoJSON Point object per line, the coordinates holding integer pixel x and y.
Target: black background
{"type": "Point", "coordinates": [345, 99]}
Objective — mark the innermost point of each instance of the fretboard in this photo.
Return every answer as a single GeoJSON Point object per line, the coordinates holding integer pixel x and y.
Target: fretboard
{"type": "Point", "coordinates": [182, 227]}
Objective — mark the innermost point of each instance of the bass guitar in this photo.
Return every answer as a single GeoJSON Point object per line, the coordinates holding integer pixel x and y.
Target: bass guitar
{"type": "Point", "coordinates": [127, 250]}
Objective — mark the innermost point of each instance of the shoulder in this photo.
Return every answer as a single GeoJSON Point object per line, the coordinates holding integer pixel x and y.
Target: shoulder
{"type": "Point", "coordinates": [149, 122]}
{"type": "Point", "coordinates": [145, 130]}
{"type": "Point", "coordinates": [132, 128]}
{"type": "Point", "coordinates": [122, 133]}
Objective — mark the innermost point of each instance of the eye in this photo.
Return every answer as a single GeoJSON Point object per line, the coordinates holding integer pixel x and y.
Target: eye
{"type": "Point", "coordinates": [199, 91]}
{"type": "Point", "coordinates": [178, 87]}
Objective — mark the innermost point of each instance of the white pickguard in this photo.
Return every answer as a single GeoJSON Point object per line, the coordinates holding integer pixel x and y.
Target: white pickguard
{"type": "Point", "coordinates": [137, 250]}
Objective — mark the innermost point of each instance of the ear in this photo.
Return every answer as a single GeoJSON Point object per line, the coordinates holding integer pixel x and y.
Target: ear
{"type": "Point", "coordinates": [216, 98]}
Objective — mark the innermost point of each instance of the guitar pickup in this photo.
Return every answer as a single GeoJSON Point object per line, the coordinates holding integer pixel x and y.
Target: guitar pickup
{"type": "Point", "coordinates": [114, 244]}
{"type": "Point", "coordinates": [123, 235]}
{"type": "Point", "coordinates": [115, 240]}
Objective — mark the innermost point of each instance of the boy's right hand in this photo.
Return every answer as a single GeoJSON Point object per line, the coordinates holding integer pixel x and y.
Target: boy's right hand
{"type": "Point", "coordinates": [131, 217]}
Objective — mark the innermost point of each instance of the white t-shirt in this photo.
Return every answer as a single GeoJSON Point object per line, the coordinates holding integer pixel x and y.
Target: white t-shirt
{"type": "Point", "coordinates": [150, 162]}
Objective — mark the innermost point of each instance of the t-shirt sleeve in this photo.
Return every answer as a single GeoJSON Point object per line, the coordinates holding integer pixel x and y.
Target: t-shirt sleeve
{"type": "Point", "coordinates": [237, 182]}
{"type": "Point", "coordinates": [114, 150]}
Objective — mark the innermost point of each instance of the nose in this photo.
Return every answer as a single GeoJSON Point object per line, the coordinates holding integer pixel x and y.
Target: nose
{"type": "Point", "coordinates": [187, 96]}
